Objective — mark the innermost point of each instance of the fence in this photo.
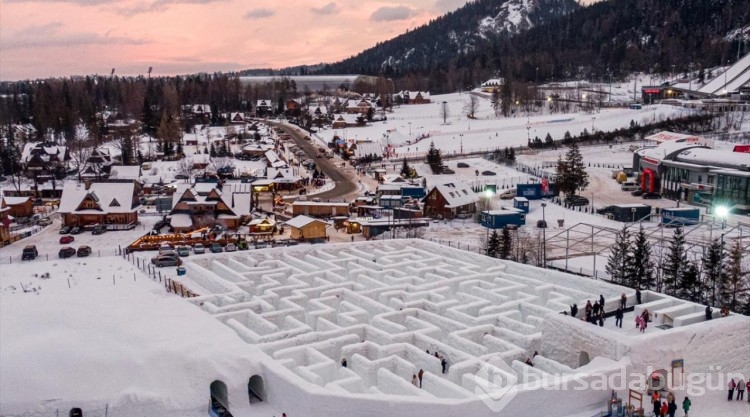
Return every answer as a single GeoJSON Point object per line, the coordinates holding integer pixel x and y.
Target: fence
{"type": "Point", "coordinates": [170, 285]}
{"type": "Point", "coordinates": [46, 257]}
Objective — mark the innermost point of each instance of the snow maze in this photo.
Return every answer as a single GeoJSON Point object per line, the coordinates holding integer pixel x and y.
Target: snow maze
{"type": "Point", "coordinates": [382, 306]}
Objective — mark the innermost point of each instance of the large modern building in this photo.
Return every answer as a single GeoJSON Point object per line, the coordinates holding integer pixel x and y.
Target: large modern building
{"type": "Point", "coordinates": [686, 168]}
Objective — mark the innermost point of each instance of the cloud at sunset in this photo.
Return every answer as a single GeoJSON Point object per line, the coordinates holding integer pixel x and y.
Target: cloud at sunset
{"type": "Point", "coordinates": [43, 38]}
{"type": "Point", "coordinates": [387, 14]}
{"type": "Point", "coordinates": [259, 13]}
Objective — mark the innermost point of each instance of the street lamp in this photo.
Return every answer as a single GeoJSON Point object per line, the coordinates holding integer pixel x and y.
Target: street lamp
{"type": "Point", "coordinates": [722, 212]}
{"type": "Point", "coordinates": [544, 235]}
{"type": "Point", "coordinates": [593, 119]}
{"type": "Point", "coordinates": [461, 136]}
{"type": "Point", "coordinates": [410, 129]}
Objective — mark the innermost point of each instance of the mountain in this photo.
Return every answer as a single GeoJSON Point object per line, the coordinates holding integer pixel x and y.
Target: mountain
{"type": "Point", "coordinates": [457, 33]}
{"type": "Point", "coordinates": [544, 40]}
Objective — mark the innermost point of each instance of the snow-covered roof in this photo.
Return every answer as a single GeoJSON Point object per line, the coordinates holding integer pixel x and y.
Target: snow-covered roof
{"type": "Point", "coordinates": [125, 172]}
{"type": "Point", "coordinates": [666, 149]}
{"type": "Point", "coordinates": [319, 203]}
{"type": "Point", "coordinates": [111, 197]}
{"type": "Point", "coordinates": [457, 194]}
{"type": "Point", "coordinates": [12, 201]}
{"type": "Point", "coordinates": [714, 157]}
{"type": "Point", "coordinates": [368, 148]}
{"type": "Point", "coordinates": [302, 221]}
{"type": "Point", "coordinates": [181, 220]}
{"type": "Point", "coordinates": [666, 136]}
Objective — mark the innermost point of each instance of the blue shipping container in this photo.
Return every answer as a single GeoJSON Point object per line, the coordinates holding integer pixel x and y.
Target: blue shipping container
{"type": "Point", "coordinates": [521, 203]}
{"type": "Point", "coordinates": [677, 217]}
{"type": "Point", "coordinates": [497, 219]}
{"type": "Point", "coordinates": [530, 191]}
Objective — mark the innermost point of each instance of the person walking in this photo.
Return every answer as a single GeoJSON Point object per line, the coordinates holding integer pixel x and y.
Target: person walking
{"type": "Point", "coordinates": [414, 380]}
{"type": "Point", "coordinates": [709, 312]}
{"type": "Point", "coordinates": [618, 317]}
{"type": "Point", "coordinates": [623, 301]}
{"type": "Point", "coordinates": [731, 385]}
{"type": "Point", "coordinates": [657, 407]}
{"type": "Point", "coordinates": [637, 296]}
{"type": "Point", "coordinates": [672, 408]}
{"type": "Point", "coordinates": [747, 386]}
{"type": "Point", "coordinates": [601, 301]}
{"type": "Point", "coordinates": [664, 410]}
{"type": "Point", "coordinates": [740, 390]}
{"type": "Point", "coordinates": [601, 318]}
{"type": "Point", "coordinates": [420, 374]}
{"type": "Point", "coordinates": [588, 309]}
{"type": "Point", "coordinates": [343, 362]}
{"type": "Point", "coordinates": [686, 405]}
{"type": "Point", "coordinates": [444, 363]}
{"type": "Point", "coordinates": [574, 310]}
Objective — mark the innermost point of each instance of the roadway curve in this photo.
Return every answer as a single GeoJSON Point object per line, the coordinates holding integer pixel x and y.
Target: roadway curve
{"type": "Point", "coordinates": [346, 182]}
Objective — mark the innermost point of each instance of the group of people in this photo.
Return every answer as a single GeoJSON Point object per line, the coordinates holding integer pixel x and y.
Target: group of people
{"type": "Point", "coordinates": [739, 386]}
{"type": "Point", "coordinates": [667, 407]}
{"type": "Point", "coordinates": [595, 313]}
{"type": "Point", "coordinates": [416, 379]}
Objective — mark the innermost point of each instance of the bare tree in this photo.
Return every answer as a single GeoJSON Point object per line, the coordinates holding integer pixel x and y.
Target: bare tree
{"type": "Point", "coordinates": [472, 105]}
{"type": "Point", "coordinates": [185, 167]}
{"type": "Point", "coordinates": [80, 150]}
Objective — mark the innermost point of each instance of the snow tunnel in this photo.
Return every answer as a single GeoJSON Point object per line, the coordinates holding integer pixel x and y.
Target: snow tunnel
{"type": "Point", "coordinates": [219, 398]}
{"type": "Point", "coordinates": [658, 380]}
{"type": "Point", "coordinates": [256, 392]}
{"type": "Point", "coordinates": [583, 358]}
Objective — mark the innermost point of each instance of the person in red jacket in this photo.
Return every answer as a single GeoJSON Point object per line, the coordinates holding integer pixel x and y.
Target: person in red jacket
{"type": "Point", "coordinates": [664, 409]}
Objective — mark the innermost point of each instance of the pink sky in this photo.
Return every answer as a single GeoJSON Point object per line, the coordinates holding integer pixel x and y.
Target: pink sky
{"type": "Point", "coordinates": [42, 38]}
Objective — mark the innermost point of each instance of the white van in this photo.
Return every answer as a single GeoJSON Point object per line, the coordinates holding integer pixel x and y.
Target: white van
{"type": "Point", "coordinates": [629, 186]}
{"type": "Point", "coordinates": [508, 194]}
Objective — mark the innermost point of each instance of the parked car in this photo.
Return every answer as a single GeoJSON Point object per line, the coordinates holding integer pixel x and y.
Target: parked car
{"type": "Point", "coordinates": [165, 247]}
{"type": "Point", "coordinates": [542, 224]}
{"type": "Point", "coordinates": [29, 253]}
{"type": "Point", "coordinates": [66, 239]}
{"type": "Point", "coordinates": [66, 252]}
{"type": "Point", "coordinates": [198, 249]}
{"type": "Point", "coordinates": [166, 260]}
{"type": "Point", "coordinates": [576, 200]}
{"type": "Point", "coordinates": [651, 196]}
{"type": "Point", "coordinates": [76, 230]}
{"type": "Point", "coordinates": [216, 248]}
{"type": "Point", "coordinates": [75, 412]}
{"type": "Point", "coordinates": [462, 165]}
{"type": "Point", "coordinates": [83, 251]}
{"type": "Point", "coordinates": [230, 247]}
{"type": "Point", "coordinates": [508, 194]}
{"type": "Point", "coordinates": [488, 173]}
{"type": "Point", "coordinates": [44, 221]}
{"type": "Point", "coordinates": [99, 229]}
{"type": "Point", "coordinates": [629, 186]}
{"type": "Point", "coordinates": [261, 244]}
{"type": "Point", "coordinates": [65, 230]}
{"type": "Point", "coordinates": [637, 193]}
{"type": "Point", "coordinates": [183, 250]}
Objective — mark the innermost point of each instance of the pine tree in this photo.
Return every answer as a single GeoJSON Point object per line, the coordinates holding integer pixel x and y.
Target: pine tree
{"type": "Point", "coordinates": [689, 287]}
{"type": "Point", "coordinates": [711, 264]}
{"type": "Point", "coordinates": [434, 159]}
{"type": "Point", "coordinates": [675, 263]}
{"type": "Point", "coordinates": [493, 244]}
{"type": "Point", "coordinates": [548, 140]}
{"type": "Point", "coordinates": [639, 266]}
{"type": "Point", "coordinates": [617, 263]}
{"type": "Point", "coordinates": [734, 289]}
{"type": "Point", "coordinates": [212, 152]}
{"type": "Point", "coordinates": [571, 174]}
{"type": "Point", "coordinates": [496, 101]}
{"type": "Point", "coordinates": [405, 169]}
{"type": "Point", "coordinates": [506, 243]}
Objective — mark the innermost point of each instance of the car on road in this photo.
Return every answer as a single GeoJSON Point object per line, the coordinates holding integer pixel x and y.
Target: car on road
{"type": "Point", "coordinates": [76, 230]}
{"type": "Point", "coordinates": [199, 249]}
{"type": "Point", "coordinates": [83, 251]}
{"type": "Point", "coordinates": [576, 200]}
{"type": "Point", "coordinates": [230, 247]}
{"type": "Point", "coordinates": [216, 248]}
{"type": "Point", "coordinates": [166, 260]}
{"type": "Point", "coordinates": [99, 229]}
{"type": "Point", "coordinates": [488, 173]}
{"type": "Point", "coordinates": [183, 250]}
{"type": "Point", "coordinates": [65, 230]}
{"type": "Point", "coordinates": [637, 193]}
{"type": "Point", "coordinates": [44, 221]}
{"type": "Point", "coordinates": [66, 239]}
{"type": "Point", "coordinates": [29, 253]}
{"type": "Point", "coordinates": [651, 196]}
{"type": "Point", "coordinates": [66, 252]}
